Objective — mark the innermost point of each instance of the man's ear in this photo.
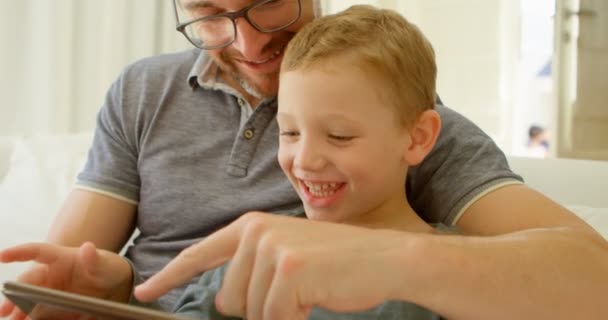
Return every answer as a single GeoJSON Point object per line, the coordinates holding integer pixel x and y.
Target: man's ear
{"type": "Point", "coordinates": [423, 135]}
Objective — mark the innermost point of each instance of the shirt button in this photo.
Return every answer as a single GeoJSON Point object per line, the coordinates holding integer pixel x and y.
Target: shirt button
{"type": "Point", "coordinates": [248, 134]}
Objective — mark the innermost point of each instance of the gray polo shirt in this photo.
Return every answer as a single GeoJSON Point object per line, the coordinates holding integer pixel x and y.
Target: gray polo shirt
{"type": "Point", "coordinates": [174, 139]}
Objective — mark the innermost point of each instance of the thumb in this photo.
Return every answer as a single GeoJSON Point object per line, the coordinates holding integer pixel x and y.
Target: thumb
{"type": "Point", "coordinates": [108, 273]}
{"type": "Point", "coordinates": [89, 258]}
{"type": "Point", "coordinates": [105, 269]}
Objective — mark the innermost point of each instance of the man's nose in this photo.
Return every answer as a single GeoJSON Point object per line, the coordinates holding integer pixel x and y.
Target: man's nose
{"type": "Point", "coordinates": [249, 41]}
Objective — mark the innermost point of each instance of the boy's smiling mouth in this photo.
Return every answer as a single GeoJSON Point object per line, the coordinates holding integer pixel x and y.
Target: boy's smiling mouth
{"type": "Point", "coordinates": [321, 194]}
{"type": "Point", "coordinates": [321, 189]}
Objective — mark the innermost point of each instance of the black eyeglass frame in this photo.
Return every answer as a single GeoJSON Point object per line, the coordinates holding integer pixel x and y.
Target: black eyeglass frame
{"type": "Point", "coordinates": [244, 13]}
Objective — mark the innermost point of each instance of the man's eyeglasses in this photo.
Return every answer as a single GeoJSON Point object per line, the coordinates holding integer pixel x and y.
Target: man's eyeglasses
{"type": "Point", "coordinates": [219, 30]}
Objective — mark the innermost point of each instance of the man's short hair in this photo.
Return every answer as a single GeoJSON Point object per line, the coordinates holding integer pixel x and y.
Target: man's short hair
{"type": "Point", "coordinates": [390, 50]}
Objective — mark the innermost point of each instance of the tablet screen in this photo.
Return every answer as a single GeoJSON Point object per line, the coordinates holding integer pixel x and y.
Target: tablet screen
{"type": "Point", "coordinates": [47, 304]}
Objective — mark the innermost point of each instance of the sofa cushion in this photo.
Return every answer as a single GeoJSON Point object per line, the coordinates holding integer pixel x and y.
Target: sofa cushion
{"type": "Point", "coordinates": [6, 150]}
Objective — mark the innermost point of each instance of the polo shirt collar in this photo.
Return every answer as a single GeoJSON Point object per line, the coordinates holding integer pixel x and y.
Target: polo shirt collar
{"type": "Point", "coordinates": [205, 73]}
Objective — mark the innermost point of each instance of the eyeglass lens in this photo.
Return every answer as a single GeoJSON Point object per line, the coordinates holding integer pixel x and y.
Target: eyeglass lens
{"type": "Point", "coordinates": [216, 31]}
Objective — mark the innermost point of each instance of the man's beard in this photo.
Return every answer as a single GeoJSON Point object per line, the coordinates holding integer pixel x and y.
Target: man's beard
{"type": "Point", "coordinates": [247, 85]}
{"type": "Point", "coordinates": [227, 64]}
{"type": "Point", "coordinates": [226, 61]}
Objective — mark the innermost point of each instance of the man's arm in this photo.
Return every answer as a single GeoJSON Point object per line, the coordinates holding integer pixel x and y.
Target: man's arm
{"type": "Point", "coordinates": [527, 258]}
{"type": "Point", "coordinates": [103, 208]}
{"type": "Point", "coordinates": [554, 267]}
{"type": "Point", "coordinates": [514, 208]}
{"type": "Point", "coordinates": [90, 216]}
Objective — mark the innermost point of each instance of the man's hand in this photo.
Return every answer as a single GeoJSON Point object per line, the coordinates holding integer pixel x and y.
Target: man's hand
{"type": "Point", "coordinates": [83, 270]}
{"type": "Point", "coordinates": [281, 267]}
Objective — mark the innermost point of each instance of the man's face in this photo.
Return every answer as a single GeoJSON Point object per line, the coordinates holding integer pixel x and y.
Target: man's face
{"type": "Point", "coordinates": [341, 146]}
{"type": "Point", "coordinates": [254, 58]}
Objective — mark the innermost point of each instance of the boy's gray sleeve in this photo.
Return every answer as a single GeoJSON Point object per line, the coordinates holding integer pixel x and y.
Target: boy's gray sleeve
{"type": "Point", "coordinates": [464, 165]}
{"type": "Point", "coordinates": [111, 166]}
{"type": "Point", "coordinates": [198, 301]}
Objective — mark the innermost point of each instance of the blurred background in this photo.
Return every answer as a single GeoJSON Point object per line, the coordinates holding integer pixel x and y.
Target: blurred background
{"type": "Point", "coordinates": [531, 73]}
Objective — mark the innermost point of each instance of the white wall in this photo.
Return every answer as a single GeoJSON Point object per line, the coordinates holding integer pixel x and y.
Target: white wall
{"type": "Point", "coordinates": [476, 43]}
{"type": "Point", "coordinates": [475, 55]}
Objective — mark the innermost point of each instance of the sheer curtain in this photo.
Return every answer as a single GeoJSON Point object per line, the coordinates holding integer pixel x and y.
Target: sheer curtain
{"type": "Point", "coordinates": [59, 57]}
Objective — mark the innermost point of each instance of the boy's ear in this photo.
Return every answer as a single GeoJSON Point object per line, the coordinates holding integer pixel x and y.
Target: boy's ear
{"type": "Point", "coordinates": [423, 136]}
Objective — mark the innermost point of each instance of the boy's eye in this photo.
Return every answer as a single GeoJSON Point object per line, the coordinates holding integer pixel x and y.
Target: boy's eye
{"type": "Point", "coordinates": [340, 138]}
{"type": "Point", "coordinates": [289, 133]}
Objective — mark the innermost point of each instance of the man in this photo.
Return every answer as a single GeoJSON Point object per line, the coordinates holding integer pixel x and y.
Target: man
{"type": "Point", "coordinates": [186, 144]}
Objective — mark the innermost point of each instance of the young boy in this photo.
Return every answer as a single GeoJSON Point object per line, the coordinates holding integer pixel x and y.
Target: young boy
{"type": "Point", "coordinates": [346, 147]}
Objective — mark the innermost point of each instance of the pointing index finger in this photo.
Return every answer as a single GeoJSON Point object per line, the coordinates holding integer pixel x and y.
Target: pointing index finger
{"type": "Point", "coordinates": [207, 254]}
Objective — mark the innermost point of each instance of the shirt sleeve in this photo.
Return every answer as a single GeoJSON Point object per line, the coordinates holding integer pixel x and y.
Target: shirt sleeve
{"type": "Point", "coordinates": [111, 166]}
{"type": "Point", "coordinates": [198, 301]}
{"type": "Point", "coordinates": [464, 165]}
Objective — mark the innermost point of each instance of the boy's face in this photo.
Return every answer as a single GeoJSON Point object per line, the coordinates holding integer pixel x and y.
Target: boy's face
{"type": "Point", "coordinates": [340, 144]}
{"type": "Point", "coordinates": [254, 58]}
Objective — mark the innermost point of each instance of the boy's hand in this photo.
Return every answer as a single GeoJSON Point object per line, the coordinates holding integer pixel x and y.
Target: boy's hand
{"type": "Point", "coordinates": [281, 267]}
{"type": "Point", "coordinates": [83, 270]}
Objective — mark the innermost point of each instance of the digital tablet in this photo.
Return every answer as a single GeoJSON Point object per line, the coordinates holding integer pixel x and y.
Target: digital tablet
{"type": "Point", "coordinates": [46, 304]}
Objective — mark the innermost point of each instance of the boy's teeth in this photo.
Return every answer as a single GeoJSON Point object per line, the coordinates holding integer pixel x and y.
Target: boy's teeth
{"type": "Point", "coordinates": [320, 186]}
{"type": "Point", "coordinates": [321, 190]}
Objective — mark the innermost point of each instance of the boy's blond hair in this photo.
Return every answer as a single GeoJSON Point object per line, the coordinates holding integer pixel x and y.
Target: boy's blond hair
{"type": "Point", "coordinates": [382, 44]}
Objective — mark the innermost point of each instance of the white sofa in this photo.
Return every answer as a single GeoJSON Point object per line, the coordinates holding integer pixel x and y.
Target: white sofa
{"type": "Point", "coordinates": [36, 174]}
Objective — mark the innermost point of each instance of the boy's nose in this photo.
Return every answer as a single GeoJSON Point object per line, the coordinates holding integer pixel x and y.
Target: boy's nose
{"type": "Point", "coordinates": [308, 158]}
